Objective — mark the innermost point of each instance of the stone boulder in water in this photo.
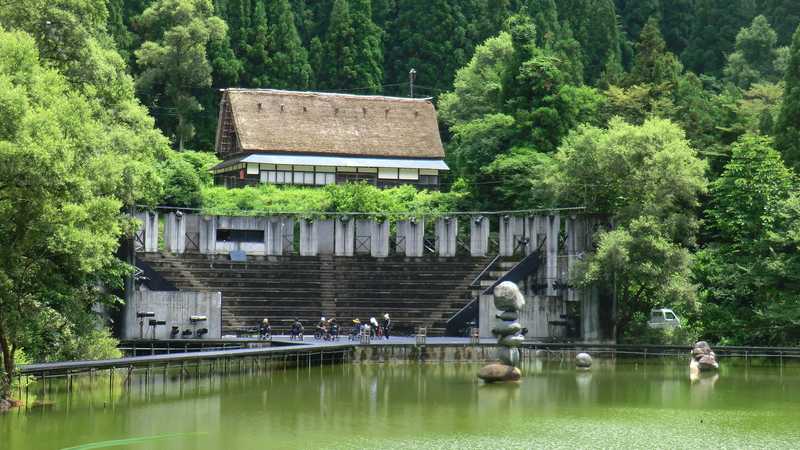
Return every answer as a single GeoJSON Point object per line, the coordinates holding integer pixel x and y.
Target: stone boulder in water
{"type": "Point", "coordinates": [703, 358]}
{"type": "Point", "coordinates": [583, 361]}
{"type": "Point", "coordinates": [492, 373]}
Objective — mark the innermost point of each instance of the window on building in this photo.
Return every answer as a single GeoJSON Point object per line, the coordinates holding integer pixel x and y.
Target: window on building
{"type": "Point", "coordinates": [429, 180]}
{"type": "Point", "coordinates": [321, 179]}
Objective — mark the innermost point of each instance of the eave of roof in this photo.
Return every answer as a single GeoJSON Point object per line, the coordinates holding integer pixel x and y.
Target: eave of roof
{"type": "Point", "coordinates": [337, 161]}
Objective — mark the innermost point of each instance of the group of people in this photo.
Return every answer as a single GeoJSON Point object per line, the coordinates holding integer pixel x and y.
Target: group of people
{"type": "Point", "coordinates": [372, 328]}
{"type": "Point", "coordinates": [328, 329]}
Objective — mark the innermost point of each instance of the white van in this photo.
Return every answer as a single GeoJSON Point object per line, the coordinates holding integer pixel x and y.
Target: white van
{"type": "Point", "coordinates": [663, 318]}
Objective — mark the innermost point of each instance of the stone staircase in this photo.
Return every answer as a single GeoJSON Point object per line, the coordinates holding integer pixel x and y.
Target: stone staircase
{"type": "Point", "coordinates": [416, 292]}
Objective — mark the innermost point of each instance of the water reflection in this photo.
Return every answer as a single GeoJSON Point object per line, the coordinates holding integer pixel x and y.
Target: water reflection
{"type": "Point", "coordinates": [316, 407]}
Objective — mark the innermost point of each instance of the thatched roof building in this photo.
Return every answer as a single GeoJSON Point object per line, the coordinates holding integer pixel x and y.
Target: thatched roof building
{"type": "Point", "coordinates": [288, 137]}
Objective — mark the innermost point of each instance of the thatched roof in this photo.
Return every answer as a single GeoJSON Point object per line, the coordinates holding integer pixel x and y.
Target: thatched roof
{"type": "Point", "coordinates": [340, 124]}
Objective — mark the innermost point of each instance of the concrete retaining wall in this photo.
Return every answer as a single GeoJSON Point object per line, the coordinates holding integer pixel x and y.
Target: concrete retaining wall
{"type": "Point", "coordinates": [174, 307]}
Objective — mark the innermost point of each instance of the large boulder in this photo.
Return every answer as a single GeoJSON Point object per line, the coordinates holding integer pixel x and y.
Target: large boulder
{"type": "Point", "coordinates": [507, 297]}
{"type": "Point", "coordinates": [493, 373]}
{"type": "Point", "coordinates": [583, 361]}
{"type": "Point", "coordinates": [703, 358]}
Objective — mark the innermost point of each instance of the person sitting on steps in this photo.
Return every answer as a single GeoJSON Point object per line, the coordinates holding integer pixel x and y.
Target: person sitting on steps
{"type": "Point", "coordinates": [356, 329]}
{"type": "Point", "coordinates": [265, 330]}
{"type": "Point", "coordinates": [296, 332]}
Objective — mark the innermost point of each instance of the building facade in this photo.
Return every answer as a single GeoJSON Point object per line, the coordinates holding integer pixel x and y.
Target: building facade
{"type": "Point", "coordinates": [315, 139]}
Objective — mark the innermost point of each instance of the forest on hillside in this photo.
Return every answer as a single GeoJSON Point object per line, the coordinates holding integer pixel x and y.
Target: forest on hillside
{"type": "Point", "coordinates": [679, 119]}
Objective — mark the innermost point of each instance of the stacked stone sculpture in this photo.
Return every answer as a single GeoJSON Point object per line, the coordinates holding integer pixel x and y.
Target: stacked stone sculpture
{"type": "Point", "coordinates": [703, 358]}
{"type": "Point", "coordinates": [508, 300]}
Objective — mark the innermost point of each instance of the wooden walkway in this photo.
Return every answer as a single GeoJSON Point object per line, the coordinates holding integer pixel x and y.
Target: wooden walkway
{"type": "Point", "coordinates": [283, 347]}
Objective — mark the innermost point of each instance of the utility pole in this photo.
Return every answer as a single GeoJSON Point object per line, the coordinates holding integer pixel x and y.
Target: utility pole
{"type": "Point", "coordinates": [412, 75]}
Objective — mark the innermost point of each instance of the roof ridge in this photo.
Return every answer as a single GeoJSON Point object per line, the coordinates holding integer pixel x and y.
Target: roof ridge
{"type": "Point", "coordinates": [324, 94]}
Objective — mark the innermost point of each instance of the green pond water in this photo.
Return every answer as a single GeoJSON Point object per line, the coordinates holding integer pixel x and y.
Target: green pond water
{"type": "Point", "coordinates": [625, 404]}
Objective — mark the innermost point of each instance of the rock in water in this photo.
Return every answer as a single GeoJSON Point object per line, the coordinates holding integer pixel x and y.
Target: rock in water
{"type": "Point", "coordinates": [511, 341]}
{"type": "Point", "coordinates": [707, 362]}
{"type": "Point", "coordinates": [507, 297]}
{"type": "Point", "coordinates": [493, 373]}
{"type": "Point", "coordinates": [507, 315]}
{"type": "Point", "coordinates": [583, 361]}
{"type": "Point", "coordinates": [508, 356]}
{"type": "Point", "coordinates": [703, 358]}
{"type": "Point", "coordinates": [507, 328]}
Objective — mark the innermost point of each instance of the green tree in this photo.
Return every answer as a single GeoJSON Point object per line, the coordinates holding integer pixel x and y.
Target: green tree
{"type": "Point", "coordinates": [714, 26]}
{"type": "Point", "coordinates": [634, 14]}
{"type": "Point", "coordinates": [594, 25]}
{"type": "Point", "coordinates": [369, 45]}
{"type": "Point", "coordinates": [653, 63]}
{"type": "Point", "coordinates": [755, 55]}
{"type": "Point", "coordinates": [478, 86]}
{"type": "Point", "coordinates": [517, 179]}
{"type": "Point", "coordinates": [174, 58]}
{"type": "Point", "coordinates": [352, 50]}
{"type": "Point", "coordinates": [749, 269]}
{"type": "Point", "coordinates": [647, 180]}
{"type": "Point", "coordinates": [61, 222]}
{"type": "Point", "coordinates": [787, 127]}
{"type": "Point", "coordinates": [629, 171]}
{"type": "Point", "coordinates": [339, 49]}
{"type": "Point", "coordinates": [477, 143]}
{"type": "Point", "coordinates": [257, 57]}
{"type": "Point", "coordinates": [290, 68]}
{"type": "Point", "coordinates": [430, 36]}
{"type": "Point", "coordinates": [784, 15]}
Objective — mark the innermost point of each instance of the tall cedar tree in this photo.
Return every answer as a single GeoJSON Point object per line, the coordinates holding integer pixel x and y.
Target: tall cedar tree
{"type": "Point", "coordinates": [787, 128]}
{"type": "Point", "coordinates": [290, 68]}
{"type": "Point", "coordinates": [784, 15]}
{"type": "Point", "coordinates": [653, 63]}
{"type": "Point", "coordinates": [352, 52]}
{"type": "Point", "coordinates": [755, 55]}
{"type": "Point", "coordinates": [430, 36]}
{"type": "Point", "coordinates": [714, 28]}
{"type": "Point", "coordinates": [634, 14]}
{"type": "Point", "coordinates": [594, 24]}
{"type": "Point", "coordinates": [339, 58]}
{"type": "Point", "coordinates": [257, 57]}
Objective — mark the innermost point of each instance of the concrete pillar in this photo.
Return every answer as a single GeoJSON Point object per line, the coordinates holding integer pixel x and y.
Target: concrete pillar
{"type": "Point", "coordinates": [413, 234]}
{"type": "Point", "coordinates": [508, 231]}
{"type": "Point", "coordinates": [208, 235]}
{"type": "Point", "coordinates": [273, 236]}
{"type": "Point", "coordinates": [309, 238]}
{"type": "Point", "coordinates": [175, 233]}
{"type": "Point", "coordinates": [288, 236]}
{"type": "Point", "coordinates": [479, 236]}
{"type": "Point", "coordinates": [590, 315]}
{"type": "Point", "coordinates": [147, 240]}
{"type": "Point", "coordinates": [344, 236]}
{"type": "Point", "coordinates": [326, 236]}
{"type": "Point", "coordinates": [551, 257]}
{"type": "Point", "coordinates": [379, 238]}
{"type": "Point", "coordinates": [363, 238]}
{"type": "Point", "coordinates": [446, 234]}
